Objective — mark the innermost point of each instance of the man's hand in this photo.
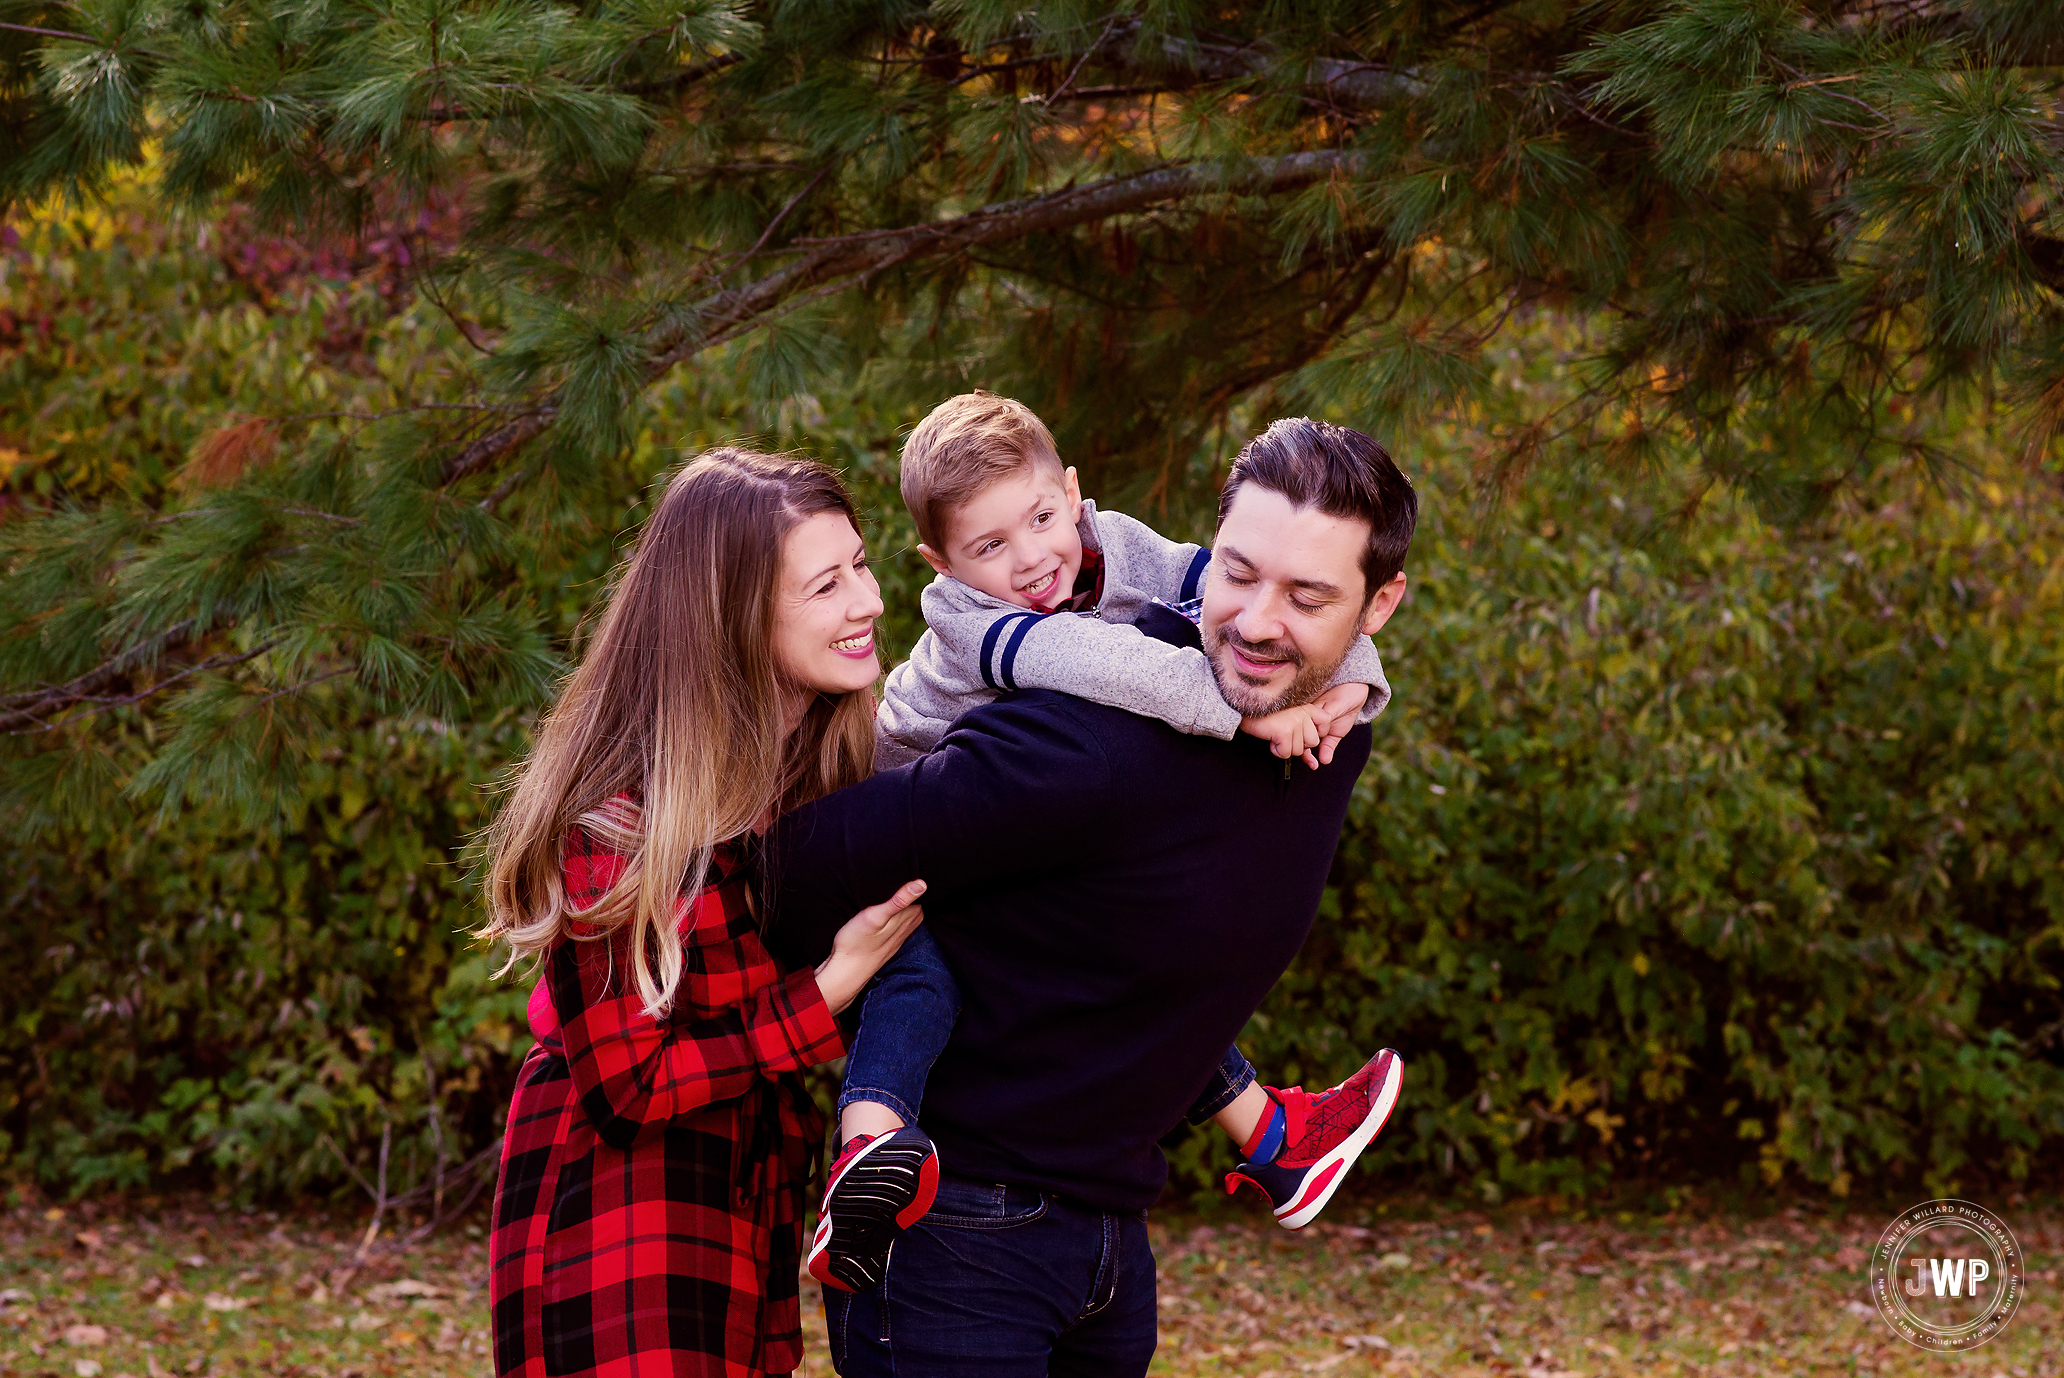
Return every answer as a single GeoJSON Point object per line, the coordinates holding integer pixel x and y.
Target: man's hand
{"type": "Point", "coordinates": [1311, 730]}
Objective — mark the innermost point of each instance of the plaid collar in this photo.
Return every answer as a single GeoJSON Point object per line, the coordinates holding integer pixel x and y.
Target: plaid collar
{"type": "Point", "coordinates": [1192, 610]}
{"type": "Point", "coordinates": [1089, 584]}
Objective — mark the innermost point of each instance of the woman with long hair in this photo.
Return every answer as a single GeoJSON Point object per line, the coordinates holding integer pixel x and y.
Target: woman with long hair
{"type": "Point", "coordinates": [648, 1219]}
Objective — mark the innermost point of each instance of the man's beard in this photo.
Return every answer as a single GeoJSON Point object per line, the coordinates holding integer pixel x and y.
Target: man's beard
{"type": "Point", "coordinates": [1306, 684]}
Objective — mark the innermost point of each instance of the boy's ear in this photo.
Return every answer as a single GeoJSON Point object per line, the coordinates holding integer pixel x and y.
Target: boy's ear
{"type": "Point", "coordinates": [1074, 490]}
{"type": "Point", "coordinates": [1383, 605]}
{"type": "Point", "coordinates": [934, 559]}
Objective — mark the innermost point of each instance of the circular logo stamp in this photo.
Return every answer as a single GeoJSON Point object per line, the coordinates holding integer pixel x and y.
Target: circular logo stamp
{"type": "Point", "coordinates": [1946, 1275]}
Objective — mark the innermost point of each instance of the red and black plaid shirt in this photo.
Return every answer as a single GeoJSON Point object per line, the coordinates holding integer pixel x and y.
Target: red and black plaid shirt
{"type": "Point", "coordinates": [1089, 584]}
{"type": "Point", "coordinates": [648, 1220]}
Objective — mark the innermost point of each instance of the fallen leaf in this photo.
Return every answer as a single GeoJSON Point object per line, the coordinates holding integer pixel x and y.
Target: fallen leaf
{"type": "Point", "coordinates": [86, 1368]}
{"type": "Point", "coordinates": [165, 1299]}
{"type": "Point", "coordinates": [89, 1240]}
{"type": "Point", "coordinates": [54, 1213]}
{"type": "Point", "coordinates": [1396, 1260]}
{"type": "Point", "coordinates": [407, 1287]}
{"type": "Point", "coordinates": [81, 1335]}
{"type": "Point", "coordinates": [16, 1294]}
{"type": "Point", "coordinates": [218, 1301]}
{"type": "Point", "coordinates": [194, 1261]}
{"type": "Point", "coordinates": [401, 1339]}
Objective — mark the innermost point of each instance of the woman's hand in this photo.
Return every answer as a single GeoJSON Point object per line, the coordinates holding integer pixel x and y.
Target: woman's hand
{"type": "Point", "coordinates": [868, 940]}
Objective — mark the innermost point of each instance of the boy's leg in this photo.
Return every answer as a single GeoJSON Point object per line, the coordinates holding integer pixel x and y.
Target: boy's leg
{"type": "Point", "coordinates": [1303, 1145]}
{"type": "Point", "coordinates": [906, 1016]}
{"type": "Point", "coordinates": [887, 1170]}
{"type": "Point", "coordinates": [1232, 1083]}
{"type": "Point", "coordinates": [1234, 1100]}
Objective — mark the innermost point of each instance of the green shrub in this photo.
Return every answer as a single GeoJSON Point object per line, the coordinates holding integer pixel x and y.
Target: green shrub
{"type": "Point", "coordinates": [1746, 857]}
{"type": "Point", "coordinates": [1683, 851]}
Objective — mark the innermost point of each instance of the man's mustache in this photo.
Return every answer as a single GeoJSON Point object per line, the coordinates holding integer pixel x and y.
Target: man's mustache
{"type": "Point", "coordinates": [1261, 650]}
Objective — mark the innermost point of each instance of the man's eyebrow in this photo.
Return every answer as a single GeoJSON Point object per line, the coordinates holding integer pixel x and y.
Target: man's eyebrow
{"type": "Point", "coordinates": [1318, 586]}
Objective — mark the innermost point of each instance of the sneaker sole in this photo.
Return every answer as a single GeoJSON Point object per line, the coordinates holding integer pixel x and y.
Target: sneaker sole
{"type": "Point", "coordinates": [851, 1247]}
{"type": "Point", "coordinates": [1326, 1175]}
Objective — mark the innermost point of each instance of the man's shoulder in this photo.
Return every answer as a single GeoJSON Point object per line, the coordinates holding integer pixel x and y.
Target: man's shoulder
{"type": "Point", "coordinates": [1179, 624]}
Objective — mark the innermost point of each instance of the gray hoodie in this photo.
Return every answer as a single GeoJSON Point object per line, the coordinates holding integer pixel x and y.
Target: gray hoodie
{"type": "Point", "coordinates": [978, 646]}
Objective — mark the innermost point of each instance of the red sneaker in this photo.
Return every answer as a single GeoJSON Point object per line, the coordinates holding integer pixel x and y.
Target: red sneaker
{"type": "Point", "coordinates": [879, 1187]}
{"type": "Point", "coordinates": [1322, 1137]}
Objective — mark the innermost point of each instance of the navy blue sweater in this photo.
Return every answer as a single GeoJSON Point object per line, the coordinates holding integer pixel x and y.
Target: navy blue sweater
{"type": "Point", "coordinates": [1115, 898]}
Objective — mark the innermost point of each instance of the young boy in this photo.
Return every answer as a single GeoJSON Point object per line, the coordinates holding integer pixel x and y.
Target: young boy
{"type": "Point", "coordinates": [1015, 545]}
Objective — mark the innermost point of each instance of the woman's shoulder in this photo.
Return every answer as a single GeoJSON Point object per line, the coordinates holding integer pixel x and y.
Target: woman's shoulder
{"type": "Point", "coordinates": [601, 845]}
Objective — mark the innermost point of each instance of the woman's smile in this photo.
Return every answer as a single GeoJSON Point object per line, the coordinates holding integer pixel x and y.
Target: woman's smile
{"type": "Point", "coordinates": [859, 647]}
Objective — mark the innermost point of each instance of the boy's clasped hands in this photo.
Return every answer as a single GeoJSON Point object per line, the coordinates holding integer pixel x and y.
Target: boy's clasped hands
{"type": "Point", "coordinates": [1311, 730]}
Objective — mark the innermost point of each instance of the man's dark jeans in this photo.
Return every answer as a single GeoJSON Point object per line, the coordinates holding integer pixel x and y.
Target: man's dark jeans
{"type": "Point", "coordinates": [1004, 1281]}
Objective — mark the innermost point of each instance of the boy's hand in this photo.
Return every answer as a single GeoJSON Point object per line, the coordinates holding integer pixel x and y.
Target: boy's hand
{"type": "Point", "coordinates": [1311, 730]}
{"type": "Point", "coordinates": [1338, 708]}
{"type": "Point", "coordinates": [1290, 731]}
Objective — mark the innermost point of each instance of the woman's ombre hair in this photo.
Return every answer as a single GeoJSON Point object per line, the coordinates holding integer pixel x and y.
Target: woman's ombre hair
{"type": "Point", "coordinates": [667, 739]}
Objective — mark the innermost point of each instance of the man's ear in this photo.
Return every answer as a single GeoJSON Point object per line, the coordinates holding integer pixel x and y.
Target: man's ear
{"type": "Point", "coordinates": [1383, 605]}
{"type": "Point", "coordinates": [934, 559]}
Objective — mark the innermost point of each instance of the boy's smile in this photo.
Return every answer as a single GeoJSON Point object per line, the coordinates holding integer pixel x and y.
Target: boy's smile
{"type": "Point", "coordinates": [1016, 540]}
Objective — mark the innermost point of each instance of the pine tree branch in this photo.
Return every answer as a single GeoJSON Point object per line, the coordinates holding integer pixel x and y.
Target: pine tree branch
{"type": "Point", "coordinates": [46, 699]}
{"type": "Point", "coordinates": [50, 33]}
{"type": "Point", "coordinates": [845, 261]}
{"type": "Point", "coordinates": [1337, 81]}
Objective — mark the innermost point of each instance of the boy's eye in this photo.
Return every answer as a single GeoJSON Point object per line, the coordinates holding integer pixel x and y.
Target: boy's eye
{"type": "Point", "coordinates": [988, 546]}
{"type": "Point", "coordinates": [1042, 519]}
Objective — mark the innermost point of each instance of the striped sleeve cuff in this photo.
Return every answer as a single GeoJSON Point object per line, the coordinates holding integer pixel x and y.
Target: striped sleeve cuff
{"type": "Point", "coordinates": [799, 1031]}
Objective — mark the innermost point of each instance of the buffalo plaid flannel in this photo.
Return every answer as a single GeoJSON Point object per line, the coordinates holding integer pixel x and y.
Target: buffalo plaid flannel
{"type": "Point", "coordinates": [648, 1220]}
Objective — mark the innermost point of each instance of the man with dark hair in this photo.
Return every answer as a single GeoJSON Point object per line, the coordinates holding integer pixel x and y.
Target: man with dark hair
{"type": "Point", "coordinates": [1115, 899]}
{"type": "Point", "coordinates": [1305, 482]}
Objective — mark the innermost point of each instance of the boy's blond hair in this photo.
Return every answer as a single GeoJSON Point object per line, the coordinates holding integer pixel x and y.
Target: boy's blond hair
{"type": "Point", "coordinates": [966, 444]}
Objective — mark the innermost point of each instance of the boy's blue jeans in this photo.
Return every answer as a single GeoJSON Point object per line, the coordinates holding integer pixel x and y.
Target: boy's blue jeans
{"type": "Point", "coordinates": [907, 1015]}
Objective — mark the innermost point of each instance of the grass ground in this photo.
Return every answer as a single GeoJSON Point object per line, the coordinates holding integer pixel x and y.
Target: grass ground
{"type": "Point", "coordinates": [186, 1291]}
